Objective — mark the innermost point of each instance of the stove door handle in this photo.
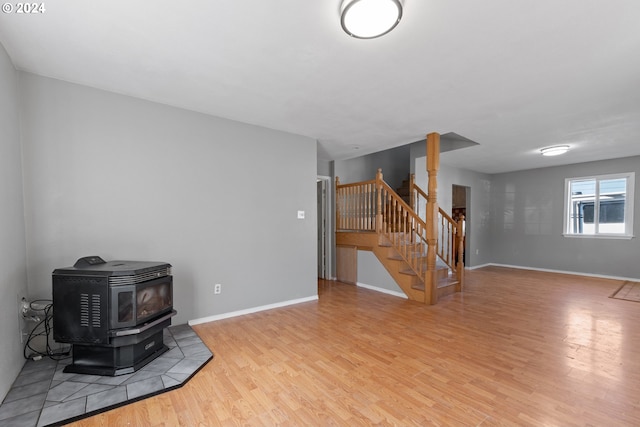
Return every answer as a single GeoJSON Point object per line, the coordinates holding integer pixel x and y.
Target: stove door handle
{"type": "Point", "coordinates": [145, 326]}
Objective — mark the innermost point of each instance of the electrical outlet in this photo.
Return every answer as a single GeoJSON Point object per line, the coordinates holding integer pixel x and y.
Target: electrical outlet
{"type": "Point", "coordinates": [217, 288]}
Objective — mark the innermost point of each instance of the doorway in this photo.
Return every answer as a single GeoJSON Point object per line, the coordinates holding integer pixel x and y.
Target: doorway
{"type": "Point", "coordinates": [460, 197]}
{"type": "Point", "coordinates": [325, 228]}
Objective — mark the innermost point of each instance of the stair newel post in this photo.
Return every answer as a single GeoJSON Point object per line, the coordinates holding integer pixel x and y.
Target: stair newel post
{"type": "Point", "coordinates": [433, 164]}
{"type": "Point", "coordinates": [379, 201]}
{"type": "Point", "coordinates": [460, 264]}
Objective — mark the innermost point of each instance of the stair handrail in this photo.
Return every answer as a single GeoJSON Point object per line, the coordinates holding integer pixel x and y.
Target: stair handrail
{"type": "Point", "coordinates": [405, 231]}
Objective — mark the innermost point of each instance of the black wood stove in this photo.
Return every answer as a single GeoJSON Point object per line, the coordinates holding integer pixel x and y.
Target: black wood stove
{"type": "Point", "coordinates": [113, 313]}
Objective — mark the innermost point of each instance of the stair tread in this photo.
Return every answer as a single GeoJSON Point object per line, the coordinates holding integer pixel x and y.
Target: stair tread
{"type": "Point", "coordinates": [399, 257]}
{"type": "Point", "coordinates": [441, 284]}
{"type": "Point", "coordinates": [390, 245]}
{"type": "Point", "coordinates": [410, 271]}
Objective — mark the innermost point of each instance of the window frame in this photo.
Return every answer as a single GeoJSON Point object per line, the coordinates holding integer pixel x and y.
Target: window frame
{"type": "Point", "coordinates": [628, 211]}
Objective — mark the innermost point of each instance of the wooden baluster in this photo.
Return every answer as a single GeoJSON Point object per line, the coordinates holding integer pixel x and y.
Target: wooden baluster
{"type": "Point", "coordinates": [369, 204]}
{"type": "Point", "coordinates": [354, 219]}
{"type": "Point", "coordinates": [354, 206]}
{"type": "Point", "coordinates": [379, 201]}
{"type": "Point", "coordinates": [387, 213]}
{"type": "Point", "coordinates": [366, 207]}
{"type": "Point", "coordinates": [442, 242]}
{"type": "Point", "coordinates": [356, 200]}
{"type": "Point", "coordinates": [359, 207]}
{"type": "Point", "coordinates": [423, 249]}
{"type": "Point", "coordinates": [375, 207]}
{"type": "Point", "coordinates": [440, 245]}
{"type": "Point", "coordinates": [417, 247]}
{"type": "Point", "coordinates": [405, 230]}
{"type": "Point", "coordinates": [460, 266]}
{"type": "Point", "coordinates": [449, 245]}
{"type": "Point", "coordinates": [363, 212]}
{"type": "Point", "coordinates": [382, 210]}
{"type": "Point", "coordinates": [392, 216]}
{"type": "Point", "coordinates": [441, 239]}
{"type": "Point", "coordinates": [412, 191]}
{"type": "Point", "coordinates": [394, 224]}
{"type": "Point", "coordinates": [350, 210]}
{"type": "Point", "coordinates": [339, 210]}
{"type": "Point", "coordinates": [372, 194]}
{"type": "Point", "coordinates": [374, 199]}
{"type": "Point", "coordinates": [352, 203]}
{"type": "Point", "coordinates": [398, 229]}
{"type": "Point", "coordinates": [346, 208]}
{"type": "Point", "coordinates": [399, 226]}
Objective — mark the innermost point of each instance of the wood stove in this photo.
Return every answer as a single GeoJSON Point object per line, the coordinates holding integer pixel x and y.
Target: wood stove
{"type": "Point", "coordinates": [112, 313]}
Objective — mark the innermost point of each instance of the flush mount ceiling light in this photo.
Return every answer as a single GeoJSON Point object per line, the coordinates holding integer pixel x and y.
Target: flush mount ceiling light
{"type": "Point", "coordinates": [556, 150]}
{"type": "Point", "coordinates": [368, 19]}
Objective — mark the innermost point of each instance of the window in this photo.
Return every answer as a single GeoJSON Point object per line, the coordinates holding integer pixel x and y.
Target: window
{"type": "Point", "coordinates": [599, 206]}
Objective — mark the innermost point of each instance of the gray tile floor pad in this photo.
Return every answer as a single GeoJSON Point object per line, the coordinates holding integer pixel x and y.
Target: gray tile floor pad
{"type": "Point", "coordinates": [43, 395]}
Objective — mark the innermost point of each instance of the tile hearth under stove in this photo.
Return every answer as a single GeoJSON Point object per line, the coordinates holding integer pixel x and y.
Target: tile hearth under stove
{"type": "Point", "coordinates": [44, 395]}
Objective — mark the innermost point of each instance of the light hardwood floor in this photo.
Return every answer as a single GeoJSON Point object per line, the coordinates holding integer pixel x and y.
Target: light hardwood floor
{"type": "Point", "coordinates": [518, 348]}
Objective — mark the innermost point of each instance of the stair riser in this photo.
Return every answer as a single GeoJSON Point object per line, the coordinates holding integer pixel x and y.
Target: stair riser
{"type": "Point", "coordinates": [446, 290]}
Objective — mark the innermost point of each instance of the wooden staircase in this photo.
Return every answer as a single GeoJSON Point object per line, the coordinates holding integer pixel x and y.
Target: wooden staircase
{"type": "Point", "coordinates": [413, 283]}
{"type": "Point", "coordinates": [419, 252]}
{"type": "Point", "coordinates": [390, 256]}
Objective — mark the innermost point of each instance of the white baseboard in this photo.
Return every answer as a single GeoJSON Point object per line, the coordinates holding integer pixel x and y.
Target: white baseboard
{"type": "Point", "coordinates": [250, 310]}
{"type": "Point", "coordinates": [475, 267]}
{"type": "Point", "coordinates": [383, 290]}
{"type": "Point", "coordinates": [574, 273]}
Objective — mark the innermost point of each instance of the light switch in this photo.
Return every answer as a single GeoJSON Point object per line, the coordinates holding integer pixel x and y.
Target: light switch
{"type": "Point", "coordinates": [300, 214]}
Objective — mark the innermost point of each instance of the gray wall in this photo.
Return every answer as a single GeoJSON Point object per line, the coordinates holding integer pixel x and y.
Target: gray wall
{"type": "Point", "coordinates": [124, 178]}
{"type": "Point", "coordinates": [324, 168]}
{"type": "Point", "coordinates": [13, 263]}
{"type": "Point", "coordinates": [478, 223]}
{"type": "Point", "coordinates": [395, 164]}
{"type": "Point", "coordinates": [527, 216]}
{"type": "Point", "coordinates": [371, 272]}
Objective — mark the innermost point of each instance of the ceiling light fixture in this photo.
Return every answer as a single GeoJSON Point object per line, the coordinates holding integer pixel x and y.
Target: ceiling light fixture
{"type": "Point", "coordinates": [368, 19]}
{"type": "Point", "coordinates": [556, 150]}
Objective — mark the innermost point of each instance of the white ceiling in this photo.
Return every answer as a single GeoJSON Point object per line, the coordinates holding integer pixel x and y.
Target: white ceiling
{"type": "Point", "coordinates": [512, 75]}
